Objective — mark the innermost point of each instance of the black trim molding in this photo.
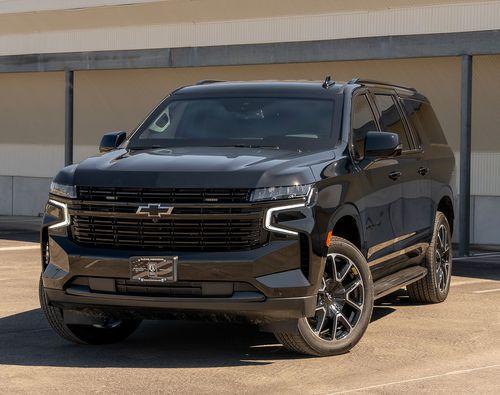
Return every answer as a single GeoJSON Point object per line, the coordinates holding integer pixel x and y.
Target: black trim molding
{"type": "Point", "coordinates": [485, 42]}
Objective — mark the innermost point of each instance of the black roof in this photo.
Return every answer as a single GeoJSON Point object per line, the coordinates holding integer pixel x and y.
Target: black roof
{"type": "Point", "coordinates": [287, 88]}
{"type": "Point", "coordinates": [311, 89]}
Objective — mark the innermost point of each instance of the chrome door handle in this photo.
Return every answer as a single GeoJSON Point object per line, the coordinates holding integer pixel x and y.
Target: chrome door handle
{"type": "Point", "coordinates": [394, 175]}
{"type": "Point", "coordinates": [423, 170]}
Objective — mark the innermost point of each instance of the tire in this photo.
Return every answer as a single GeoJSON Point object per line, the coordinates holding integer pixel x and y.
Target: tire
{"type": "Point", "coordinates": [329, 341]}
{"type": "Point", "coordinates": [84, 334]}
{"type": "Point", "coordinates": [434, 287]}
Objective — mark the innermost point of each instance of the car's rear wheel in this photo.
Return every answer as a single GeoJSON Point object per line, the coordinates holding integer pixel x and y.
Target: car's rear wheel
{"type": "Point", "coordinates": [344, 305]}
{"type": "Point", "coordinates": [113, 332]}
{"type": "Point", "coordinates": [434, 287]}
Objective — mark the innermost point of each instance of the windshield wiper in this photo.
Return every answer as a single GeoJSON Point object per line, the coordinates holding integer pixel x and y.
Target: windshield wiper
{"type": "Point", "coordinates": [249, 146]}
{"type": "Point", "coordinates": [148, 147]}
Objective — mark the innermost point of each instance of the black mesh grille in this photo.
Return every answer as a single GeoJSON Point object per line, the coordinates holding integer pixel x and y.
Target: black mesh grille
{"type": "Point", "coordinates": [164, 195]}
{"type": "Point", "coordinates": [194, 226]}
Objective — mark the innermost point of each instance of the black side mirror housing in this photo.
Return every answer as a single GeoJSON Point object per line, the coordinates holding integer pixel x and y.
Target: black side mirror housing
{"type": "Point", "coordinates": [111, 141]}
{"type": "Point", "coordinates": [382, 144]}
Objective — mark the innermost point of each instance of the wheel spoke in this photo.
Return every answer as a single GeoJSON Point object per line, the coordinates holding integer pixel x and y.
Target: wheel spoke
{"type": "Point", "coordinates": [323, 285]}
{"type": "Point", "coordinates": [340, 274]}
{"type": "Point", "coordinates": [440, 240]}
{"type": "Point", "coordinates": [351, 287]}
{"type": "Point", "coordinates": [344, 321]}
{"type": "Point", "coordinates": [353, 304]}
{"type": "Point", "coordinates": [320, 321]}
{"type": "Point", "coordinates": [334, 326]}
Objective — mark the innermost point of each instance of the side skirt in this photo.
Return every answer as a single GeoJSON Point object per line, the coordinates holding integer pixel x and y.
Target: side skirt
{"type": "Point", "coordinates": [393, 282]}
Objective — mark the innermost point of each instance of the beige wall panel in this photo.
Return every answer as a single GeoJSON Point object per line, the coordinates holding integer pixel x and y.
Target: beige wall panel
{"type": "Point", "coordinates": [323, 26]}
{"type": "Point", "coordinates": [486, 103]}
{"type": "Point", "coordinates": [111, 100]}
{"type": "Point", "coordinates": [31, 108]}
{"type": "Point", "coordinates": [181, 11]}
{"type": "Point", "coordinates": [31, 124]}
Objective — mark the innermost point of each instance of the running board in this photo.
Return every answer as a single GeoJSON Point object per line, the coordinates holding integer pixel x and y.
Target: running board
{"type": "Point", "coordinates": [392, 283]}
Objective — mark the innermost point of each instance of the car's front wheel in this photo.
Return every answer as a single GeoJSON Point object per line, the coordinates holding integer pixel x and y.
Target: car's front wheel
{"type": "Point", "coordinates": [344, 305]}
{"type": "Point", "coordinates": [113, 332]}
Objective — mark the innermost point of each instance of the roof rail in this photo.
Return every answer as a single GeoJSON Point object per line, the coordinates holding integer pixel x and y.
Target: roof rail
{"type": "Point", "coordinates": [204, 82]}
{"type": "Point", "coordinates": [357, 80]}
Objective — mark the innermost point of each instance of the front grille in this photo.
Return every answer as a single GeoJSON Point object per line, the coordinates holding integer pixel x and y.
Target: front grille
{"type": "Point", "coordinates": [164, 195]}
{"type": "Point", "coordinates": [196, 226]}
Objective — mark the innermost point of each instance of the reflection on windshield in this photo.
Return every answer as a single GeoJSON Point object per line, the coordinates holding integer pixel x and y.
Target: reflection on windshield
{"type": "Point", "coordinates": [254, 122]}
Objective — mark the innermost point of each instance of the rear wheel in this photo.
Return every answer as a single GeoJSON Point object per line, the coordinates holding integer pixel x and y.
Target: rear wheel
{"type": "Point", "coordinates": [434, 287]}
{"type": "Point", "coordinates": [344, 305]}
{"type": "Point", "coordinates": [113, 332]}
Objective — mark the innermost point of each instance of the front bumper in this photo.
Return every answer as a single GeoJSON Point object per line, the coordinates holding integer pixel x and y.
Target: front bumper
{"type": "Point", "coordinates": [279, 289]}
{"type": "Point", "coordinates": [251, 305]}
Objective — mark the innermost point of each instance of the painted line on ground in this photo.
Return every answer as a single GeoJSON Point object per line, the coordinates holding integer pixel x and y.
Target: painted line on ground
{"type": "Point", "coordinates": [485, 291]}
{"type": "Point", "coordinates": [20, 248]}
{"type": "Point", "coordinates": [457, 283]}
{"type": "Point", "coordinates": [477, 256]}
{"type": "Point", "coordinates": [452, 373]}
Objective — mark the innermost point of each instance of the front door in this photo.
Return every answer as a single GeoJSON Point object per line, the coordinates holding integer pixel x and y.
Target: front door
{"type": "Point", "coordinates": [381, 207]}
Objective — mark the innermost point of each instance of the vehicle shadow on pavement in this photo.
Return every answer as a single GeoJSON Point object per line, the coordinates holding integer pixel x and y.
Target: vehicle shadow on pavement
{"type": "Point", "coordinates": [27, 340]}
{"type": "Point", "coordinates": [33, 237]}
{"type": "Point", "coordinates": [482, 267]}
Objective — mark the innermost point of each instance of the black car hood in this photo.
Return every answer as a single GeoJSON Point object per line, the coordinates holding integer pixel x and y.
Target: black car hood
{"type": "Point", "coordinates": [199, 167]}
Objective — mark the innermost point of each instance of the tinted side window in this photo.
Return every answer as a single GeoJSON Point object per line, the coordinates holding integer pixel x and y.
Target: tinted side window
{"type": "Point", "coordinates": [425, 121]}
{"type": "Point", "coordinates": [390, 119]}
{"type": "Point", "coordinates": [363, 121]}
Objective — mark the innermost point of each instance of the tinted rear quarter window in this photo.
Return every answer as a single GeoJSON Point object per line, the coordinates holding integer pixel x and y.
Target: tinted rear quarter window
{"type": "Point", "coordinates": [424, 120]}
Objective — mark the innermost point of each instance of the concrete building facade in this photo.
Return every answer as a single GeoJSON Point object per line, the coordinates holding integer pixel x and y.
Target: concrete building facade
{"type": "Point", "coordinates": [124, 57]}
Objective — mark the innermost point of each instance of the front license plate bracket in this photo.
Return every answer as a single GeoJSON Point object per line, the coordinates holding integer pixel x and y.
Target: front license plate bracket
{"type": "Point", "coordinates": [153, 268]}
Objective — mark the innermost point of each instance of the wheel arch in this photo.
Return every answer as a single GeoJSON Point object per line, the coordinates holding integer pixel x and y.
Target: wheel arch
{"type": "Point", "coordinates": [346, 223]}
{"type": "Point", "coordinates": [445, 205]}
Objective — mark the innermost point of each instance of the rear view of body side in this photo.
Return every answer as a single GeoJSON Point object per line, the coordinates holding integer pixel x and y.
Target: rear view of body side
{"type": "Point", "coordinates": [290, 205]}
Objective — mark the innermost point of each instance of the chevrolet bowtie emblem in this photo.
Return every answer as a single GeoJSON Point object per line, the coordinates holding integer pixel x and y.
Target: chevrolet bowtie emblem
{"type": "Point", "coordinates": [155, 210]}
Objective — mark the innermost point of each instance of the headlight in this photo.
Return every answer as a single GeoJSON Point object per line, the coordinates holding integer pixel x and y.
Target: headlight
{"type": "Point", "coordinates": [311, 197]}
{"type": "Point", "coordinates": [268, 224]}
{"type": "Point", "coordinates": [277, 193]}
{"type": "Point", "coordinates": [68, 191]}
{"type": "Point", "coordinates": [59, 211]}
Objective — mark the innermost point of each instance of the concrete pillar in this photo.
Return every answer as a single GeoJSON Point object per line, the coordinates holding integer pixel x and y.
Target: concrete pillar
{"type": "Point", "coordinates": [465, 154]}
{"type": "Point", "coordinates": [68, 119]}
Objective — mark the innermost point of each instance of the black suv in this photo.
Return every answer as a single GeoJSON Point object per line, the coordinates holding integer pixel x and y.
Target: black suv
{"type": "Point", "coordinates": [291, 205]}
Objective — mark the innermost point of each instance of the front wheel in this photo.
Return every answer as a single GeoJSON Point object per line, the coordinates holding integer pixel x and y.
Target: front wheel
{"type": "Point", "coordinates": [344, 305]}
{"type": "Point", "coordinates": [114, 332]}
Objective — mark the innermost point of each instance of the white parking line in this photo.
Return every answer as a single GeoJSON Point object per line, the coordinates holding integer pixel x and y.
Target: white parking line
{"type": "Point", "coordinates": [456, 283]}
{"type": "Point", "coordinates": [476, 256]}
{"type": "Point", "coordinates": [484, 291]}
{"type": "Point", "coordinates": [20, 248]}
{"type": "Point", "coordinates": [454, 372]}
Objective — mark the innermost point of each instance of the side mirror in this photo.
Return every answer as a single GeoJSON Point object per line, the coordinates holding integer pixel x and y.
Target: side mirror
{"type": "Point", "coordinates": [111, 141]}
{"type": "Point", "coordinates": [382, 144]}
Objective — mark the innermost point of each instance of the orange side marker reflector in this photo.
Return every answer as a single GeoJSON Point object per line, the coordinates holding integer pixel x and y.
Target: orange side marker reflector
{"type": "Point", "coordinates": [329, 238]}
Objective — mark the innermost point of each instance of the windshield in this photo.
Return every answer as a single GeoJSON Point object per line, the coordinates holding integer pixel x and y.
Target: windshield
{"type": "Point", "coordinates": [240, 121]}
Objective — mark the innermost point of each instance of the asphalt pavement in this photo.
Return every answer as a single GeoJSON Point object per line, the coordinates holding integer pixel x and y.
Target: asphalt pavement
{"type": "Point", "coordinates": [453, 347]}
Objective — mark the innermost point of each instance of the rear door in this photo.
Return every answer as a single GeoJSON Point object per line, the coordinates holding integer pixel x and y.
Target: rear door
{"type": "Point", "coordinates": [422, 199]}
{"type": "Point", "coordinates": [414, 224]}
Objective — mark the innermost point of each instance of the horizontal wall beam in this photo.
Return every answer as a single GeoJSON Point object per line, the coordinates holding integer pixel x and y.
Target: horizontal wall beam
{"type": "Point", "coordinates": [365, 48]}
